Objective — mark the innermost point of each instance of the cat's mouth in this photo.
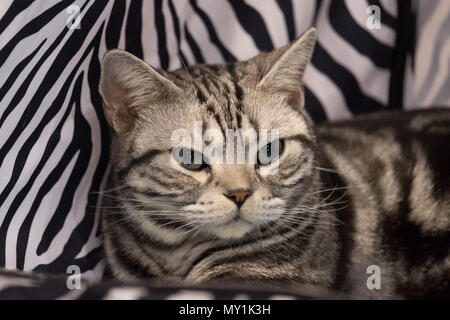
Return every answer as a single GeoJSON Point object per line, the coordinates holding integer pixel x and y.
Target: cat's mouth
{"type": "Point", "coordinates": [234, 228]}
{"type": "Point", "coordinates": [237, 217]}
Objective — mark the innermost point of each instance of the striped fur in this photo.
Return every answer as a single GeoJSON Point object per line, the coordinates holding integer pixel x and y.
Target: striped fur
{"type": "Point", "coordinates": [369, 191]}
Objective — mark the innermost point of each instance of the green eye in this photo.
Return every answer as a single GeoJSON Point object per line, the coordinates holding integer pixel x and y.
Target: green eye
{"type": "Point", "coordinates": [270, 152]}
{"type": "Point", "coordinates": [190, 159]}
{"type": "Point", "coordinates": [193, 166]}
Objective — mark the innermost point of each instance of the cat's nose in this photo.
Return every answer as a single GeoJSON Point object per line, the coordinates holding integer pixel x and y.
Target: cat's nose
{"type": "Point", "coordinates": [238, 196]}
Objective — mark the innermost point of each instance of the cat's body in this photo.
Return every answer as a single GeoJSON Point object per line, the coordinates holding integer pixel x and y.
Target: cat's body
{"type": "Point", "coordinates": [347, 199]}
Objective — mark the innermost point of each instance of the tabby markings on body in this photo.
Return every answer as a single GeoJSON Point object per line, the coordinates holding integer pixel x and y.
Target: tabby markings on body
{"type": "Point", "coordinates": [345, 196]}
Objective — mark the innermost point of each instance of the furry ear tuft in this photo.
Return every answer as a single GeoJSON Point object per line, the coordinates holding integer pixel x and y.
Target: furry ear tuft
{"type": "Point", "coordinates": [284, 68]}
{"type": "Point", "coordinates": [127, 84]}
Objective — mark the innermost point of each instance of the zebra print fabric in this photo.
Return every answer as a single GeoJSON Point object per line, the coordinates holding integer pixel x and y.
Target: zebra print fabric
{"type": "Point", "coordinates": [54, 145]}
{"type": "Point", "coordinates": [22, 285]}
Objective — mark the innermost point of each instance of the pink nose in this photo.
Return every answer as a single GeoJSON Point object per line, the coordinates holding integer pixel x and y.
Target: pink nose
{"type": "Point", "coordinates": [238, 196]}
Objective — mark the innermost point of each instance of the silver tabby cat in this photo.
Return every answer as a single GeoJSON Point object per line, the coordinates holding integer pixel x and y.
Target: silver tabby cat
{"type": "Point", "coordinates": [348, 198]}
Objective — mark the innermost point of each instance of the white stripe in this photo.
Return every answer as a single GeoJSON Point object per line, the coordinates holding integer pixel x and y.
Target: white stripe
{"type": "Point", "coordinates": [390, 6]}
{"type": "Point", "coordinates": [233, 37]}
{"type": "Point", "coordinates": [4, 6]}
{"type": "Point", "coordinates": [199, 32]}
{"type": "Point", "coordinates": [373, 81]}
{"type": "Point", "coordinates": [328, 94]}
{"type": "Point", "coordinates": [171, 39]}
{"type": "Point", "coordinates": [149, 36]}
{"type": "Point", "coordinates": [441, 77]}
{"type": "Point", "coordinates": [191, 295]}
{"type": "Point", "coordinates": [183, 11]}
{"type": "Point", "coordinates": [303, 14]}
{"type": "Point", "coordinates": [427, 40]}
{"type": "Point", "coordinates": [125, 293]}
{"type": "Point", "coordinates": [274, 20]}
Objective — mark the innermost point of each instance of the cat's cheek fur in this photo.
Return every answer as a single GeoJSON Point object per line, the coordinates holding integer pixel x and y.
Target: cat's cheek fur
{"type": "Point", "coordinates": [262, 207]}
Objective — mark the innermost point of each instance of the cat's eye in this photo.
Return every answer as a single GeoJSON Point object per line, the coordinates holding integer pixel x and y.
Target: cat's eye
{"type": "Point", "coordinates": [189, 159]}
{"type": "Point", "coordinates": [270, 152]}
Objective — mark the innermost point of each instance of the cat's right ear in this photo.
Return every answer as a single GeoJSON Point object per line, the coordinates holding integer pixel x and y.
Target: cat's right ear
{"type": "Point", "coordinates": [127, 84]}
{"type": "Point", "coordinates": [283, 69]}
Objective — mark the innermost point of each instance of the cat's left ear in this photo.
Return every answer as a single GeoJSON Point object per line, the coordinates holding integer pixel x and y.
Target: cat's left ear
{"type": "Point", "coordinates": [128, 85]}
{"type": "Point", "coordinates": [284, 68]}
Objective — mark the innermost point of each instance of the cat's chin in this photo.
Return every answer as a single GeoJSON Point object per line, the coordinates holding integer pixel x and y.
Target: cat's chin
{"type": "Point", "coordinates": [233, 230]}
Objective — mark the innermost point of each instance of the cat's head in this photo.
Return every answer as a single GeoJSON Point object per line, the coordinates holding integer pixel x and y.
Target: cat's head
{"type": "Point", "coordinates": [147, 108]}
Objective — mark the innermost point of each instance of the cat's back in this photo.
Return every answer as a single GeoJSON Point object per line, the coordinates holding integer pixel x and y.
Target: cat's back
{"type": "Point", "coordinates": [403, 143]}
{"type": "Point", "coordinates": [374, 142]}
{"type": "Point", "coordinates": [395, 169]}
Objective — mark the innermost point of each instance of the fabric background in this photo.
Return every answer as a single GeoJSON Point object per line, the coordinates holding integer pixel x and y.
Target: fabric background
{"type": "Point", "coordinates": [54, 144]}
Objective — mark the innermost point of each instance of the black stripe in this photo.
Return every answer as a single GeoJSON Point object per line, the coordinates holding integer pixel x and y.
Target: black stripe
{"type": "Point", "coordinates": [314, 107]}
{"type": "Point", "coordinates": [227, 246]}
{"type": "Point", "coordinates": [194, 48]}
{"type": "Point", "coordinates": [133, 29]}
{"type": "Point", "coordinates": [360, 39]}
{"type": "Point", "coordinates": [403, 41]}
{"type": "Point", "coordinates": [228, 56]}
{"type": "Point", "coordinates": [200, 96]}
{"type": "Point", "coordinates": [239, 119]}
{"type": "Point", "coordinates": [356, 101]}
{"type": "Point", "coordinates": [288, 13]}
{"type": "Point", "coordinates": [134, 228]}
{"type": "Point", "coordinates": [235, 77]}
{"type": "Point", "coordinates": [129, 263]}
{"type": "Point", "coordinates": [135, 232]}
{"type": "Point", "coordinates": [14, 74]}
{"type": "Point", "coordinates": [219, 122]}
{"type": "Point", "coordinates": [89, 261]}
{"type": "Point", "coordinates": [168, 223]}
{"type": "Point", "coordinates": [304, 140]}
{"type": "Point", "coordinates": [210, 109]}
{"type": "Point", "coordinates": [346, 229]}
{"type": "Point", "coordinates": [114, 26]}
{"type": "Point", "coordinates": [146, 157]}
{"type": "Point", "coordinates": [253, 24]}
{"type": "Point", "coordinates": [317, 10]}
{"type": "Point", "coordinates": [299, 241]}
{"type": "Point", "coordinates": [174, 183]}
{"type": "Point", "coordinates": [161, 30]}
